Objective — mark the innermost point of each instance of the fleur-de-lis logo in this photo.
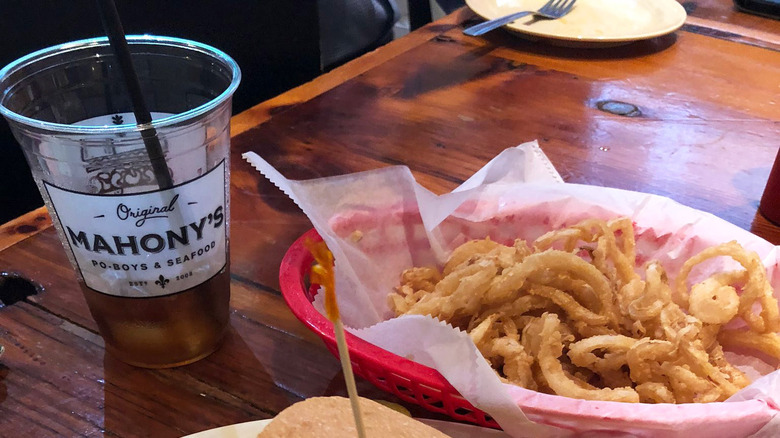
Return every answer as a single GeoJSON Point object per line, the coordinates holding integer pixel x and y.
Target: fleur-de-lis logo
{"type": "Point", "coordinates": [162, 281]}
{"type": "Point", "coordinates": [117, 119]}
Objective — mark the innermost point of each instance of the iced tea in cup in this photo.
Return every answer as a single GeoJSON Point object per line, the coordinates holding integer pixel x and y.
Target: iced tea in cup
{"type": "Point", "coordinates": [152, 261]}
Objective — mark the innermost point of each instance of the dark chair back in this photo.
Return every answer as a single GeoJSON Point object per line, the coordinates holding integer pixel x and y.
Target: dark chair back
{"type": "Point", "coordinates": [275, 42]}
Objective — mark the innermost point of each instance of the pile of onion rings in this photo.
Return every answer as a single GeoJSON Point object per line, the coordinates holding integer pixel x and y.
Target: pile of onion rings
{"type": "Point", "coordinates": [573, 315]}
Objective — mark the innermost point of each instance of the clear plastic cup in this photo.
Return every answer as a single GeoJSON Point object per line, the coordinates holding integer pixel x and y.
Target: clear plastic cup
{"type": "Point", "coordinates": [153, 262]}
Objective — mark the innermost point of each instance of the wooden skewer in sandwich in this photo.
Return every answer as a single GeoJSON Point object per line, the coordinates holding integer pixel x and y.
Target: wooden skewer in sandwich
{"type": "Point", "coordinates": [328, 417]}
{"type": "Point", "coordinates": [322, 274]}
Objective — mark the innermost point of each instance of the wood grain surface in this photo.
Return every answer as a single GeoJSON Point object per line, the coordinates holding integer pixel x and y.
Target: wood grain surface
{"type": "Point", "coordinates": [726, 12]}
{"type": "Point", "coordinates": [685, 123]}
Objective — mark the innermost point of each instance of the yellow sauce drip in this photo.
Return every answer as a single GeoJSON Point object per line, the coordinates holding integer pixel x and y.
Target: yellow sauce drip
{"type": "Point", "coordinates": [322, 273]}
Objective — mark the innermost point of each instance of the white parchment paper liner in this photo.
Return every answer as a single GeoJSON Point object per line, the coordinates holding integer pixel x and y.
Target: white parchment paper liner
{"type": "Point", "coordinates": [378, 223]}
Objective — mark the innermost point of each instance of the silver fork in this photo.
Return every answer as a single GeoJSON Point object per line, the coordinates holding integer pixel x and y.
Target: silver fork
{"type": "Point", "coordinates": [551, 10]}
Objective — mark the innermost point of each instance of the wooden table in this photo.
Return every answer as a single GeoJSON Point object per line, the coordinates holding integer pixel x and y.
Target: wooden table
{"type": "Point", "coordinates": [700, 123]}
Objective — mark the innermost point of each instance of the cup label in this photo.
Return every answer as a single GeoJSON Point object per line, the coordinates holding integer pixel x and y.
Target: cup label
{"type": "Point", "coordinates": [147, 244]}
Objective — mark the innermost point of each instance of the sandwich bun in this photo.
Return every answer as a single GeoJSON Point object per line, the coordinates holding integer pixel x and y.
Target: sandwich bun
{"type": "Point", "coordinates": [329, 417]}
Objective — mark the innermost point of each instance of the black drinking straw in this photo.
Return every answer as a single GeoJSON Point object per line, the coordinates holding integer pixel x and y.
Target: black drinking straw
{"type": "Point", "coordinates": [116, 37]}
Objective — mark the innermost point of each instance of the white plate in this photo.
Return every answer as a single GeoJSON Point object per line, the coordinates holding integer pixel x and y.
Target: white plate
{"type": "Point", "coordinates": [600, 22]}
{"type": "Point", "coordinates": [252, 428]}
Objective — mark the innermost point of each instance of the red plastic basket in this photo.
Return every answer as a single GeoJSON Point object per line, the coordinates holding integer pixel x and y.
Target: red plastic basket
{"type": "Point", "coordinates": [408, 380]}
